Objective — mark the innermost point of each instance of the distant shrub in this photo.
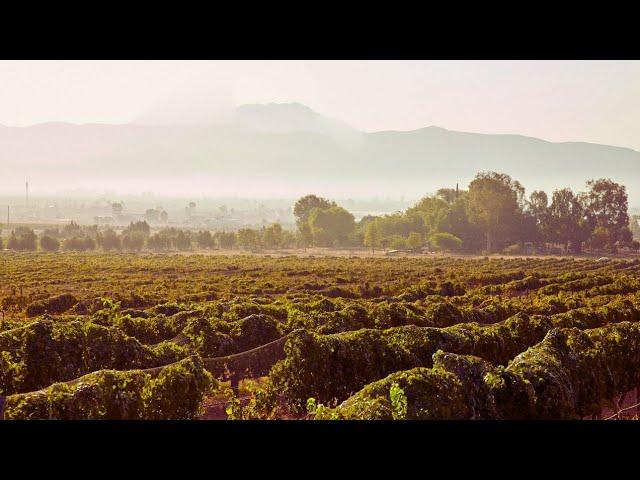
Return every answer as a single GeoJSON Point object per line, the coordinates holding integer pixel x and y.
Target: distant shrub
{"type": "Point", "coordinates": [445, 242]}
{"type": "Point", "coordinates": [398, 243]}
{"type": "Point", "coordinates": [79, 244]}
{"type": "Point", "coordinates": [515, 249]}
{"type": "Point", "coordinates": [140, 227]}
{"type": "Point", "coordinates": [49, 244]}
{"type": "Point", "coordinates": [205, 239]}
{"type": "Point", "coordinates": [133, 240]}
{"type": "Point", "coordinates": [109, 240]}
{"type": "Point", "coordinates": [57, 304]}
{"type": "Point", "coordinates": [414, 240]}
{"type": "Point", "coordinates": [22, 239]}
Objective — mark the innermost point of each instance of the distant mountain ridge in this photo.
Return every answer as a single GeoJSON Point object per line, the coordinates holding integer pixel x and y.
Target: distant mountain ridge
{"type": "Point", "coordinates": [286, 118]}
{"type": "Point", "coordinates": [291, 141]}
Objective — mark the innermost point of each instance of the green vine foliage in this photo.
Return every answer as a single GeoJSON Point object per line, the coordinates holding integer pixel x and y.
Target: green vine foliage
{"type": "Point", "coordinates": [335, 366]}
{"type": "Point", "coordinates": [176, 392]}
{"type": "Point", "coordinates": [571, 374]}
{"type": "Point", "coordinates": [519, 338]}
{"type": "Point", "coordinates": [45, 351]}
{"type": "Point", "coordinates": [398, 402]}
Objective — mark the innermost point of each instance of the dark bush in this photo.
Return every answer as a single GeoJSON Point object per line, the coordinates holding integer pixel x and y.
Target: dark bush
{"type": "Point", "coordinates": [57, 304]}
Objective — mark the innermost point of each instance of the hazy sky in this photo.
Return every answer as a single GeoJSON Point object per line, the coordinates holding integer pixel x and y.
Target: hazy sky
{"type": "Point", "coordinates": [593, 101]}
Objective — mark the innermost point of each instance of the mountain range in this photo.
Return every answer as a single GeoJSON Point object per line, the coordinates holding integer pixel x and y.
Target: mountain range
{"type": "Point", "coordinates": [290, 142]}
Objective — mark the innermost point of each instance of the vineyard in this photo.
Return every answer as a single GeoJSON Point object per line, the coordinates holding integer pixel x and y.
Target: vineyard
{"type": "Point", "coordinates": [159, 336]}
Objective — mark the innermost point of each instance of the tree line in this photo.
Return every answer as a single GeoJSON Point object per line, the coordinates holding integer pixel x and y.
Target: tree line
{"type": "Point", "coordinates": [492, 215]}
{"type": "Point", "coordinates": [137, 237]}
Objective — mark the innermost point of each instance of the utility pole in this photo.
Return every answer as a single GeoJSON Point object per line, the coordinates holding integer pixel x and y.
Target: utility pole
{"type": "Point", "coordinates": [456, 191]}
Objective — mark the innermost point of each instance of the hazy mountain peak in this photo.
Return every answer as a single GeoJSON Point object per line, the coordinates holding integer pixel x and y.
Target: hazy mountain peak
{"type": "Point", "coordinates": [286, 118]}
{"type": "Point", "coordinates": [281, 143]}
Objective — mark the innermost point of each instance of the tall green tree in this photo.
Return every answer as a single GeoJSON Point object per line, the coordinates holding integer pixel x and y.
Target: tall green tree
{"type": "Point", "coordinates": [109, 240]}
{"type": "Point", "coordinates": [305, 205]}
{"type": "Point", "coordinates": [133, 240]}
{"type": "Point", "coordinates": [414, 240]}
{"type": "Point", "coordinates": [225, 239]}
{"type": "Point", "coordinates": [331, 226]}
{"type": "Point", "coordinates": [607, 203]}
{"type": "Point", "coordinates": [449, 195]}
{"type": "Point", "coordinates": [495, 207]}
{"type": "Point", "coordinates": [536, 226]}
{"type": "Point", "coordinates": [372, 236]}
{"type": "Point", "coordinates": [445, 242]}
{"type": "Point", "coordinates": [248, 238]}
{"type": "Point", "coordinates": [569, 221]}
{"type": "Point", "coordinates": [305, 235]}
{"type": "Point", "coordinates": [432, 210]}
{"type": "Point", "coordinates": [272, 236]}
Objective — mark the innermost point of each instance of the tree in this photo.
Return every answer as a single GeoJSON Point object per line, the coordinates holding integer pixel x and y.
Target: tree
{"type": "Point", "coordinates": [272, 236]}
{"type": "Point", "coordinates": [49, 244]}
{"type": "Point", "coordinates": [190, 210]}
{"type": "Point", "coordinates": [305, 236]}
{"type": "Point", "coordinates": [141, 227]}
{"type": "Point", "coordinates": [372, 236]}
{"type": "Point", "coordinates": [397, 242]}
{"type": "Point", "coordinates": [22, 239]}
{"type": "Point", "coordinates": [183, 240]}
{"type": "Point", "coordinates": [71, 229]}
{"type": "Point", "coordinates": [225, 239]}
{"type": "Point", "coordinates": [634, 226]}
{"type": "Point", "coordinates": [12, 242]}
{"type": "Point", "coordinates": [248, 238]}
{"type": "Point", "coordinates": [116, 209]}
{"type": "Point", "coordinates": [109, 240]}
{"type": "Point", "coordinates": [133, 240]}
{"type": "Point", "coordinates": [152, 215]}
{"type": "Point", "coordinates": [599, 239]}
{"type": "Point", "coordinates": [305, 205]}
{"type": "Point", "coordinates": [331, 226]}
{"type": "Point", "coordinates": [78, 244]}
{"type": "Point", "coordinates": [537, 226]}
{"type": "Point", "coordinates": [570, 224]}
{"type": "Point", "coordinates": [52, 232]}
{"type": "Point", "coordinates": [494, 206]}
{"type": "Point", "coordinates": [160, 241]}
{"type": "Point", "coordinates": [607, 203]}
{"type": "Point", "coordinates": [414, 240]}
{"type": "Point", "coordinates": [449, 195]}
{"type": "Point", "coordinates": [456, 221]}
{"type": "Point", "coordinates": [288, 239]}
{"type": "Point", "coordinates": [432, 210]}
{"type": "Point", "coordinates": [445, 242]}
{"type": "Point", "coordinates": [205, 239]}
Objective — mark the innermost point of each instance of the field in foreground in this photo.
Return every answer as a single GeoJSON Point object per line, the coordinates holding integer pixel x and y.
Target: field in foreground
{"type": "Point", "coordinates": [175, 336]}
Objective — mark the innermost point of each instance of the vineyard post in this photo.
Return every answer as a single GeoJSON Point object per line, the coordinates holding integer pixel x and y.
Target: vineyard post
{"type": "Point", "coordinates": [235, 384]}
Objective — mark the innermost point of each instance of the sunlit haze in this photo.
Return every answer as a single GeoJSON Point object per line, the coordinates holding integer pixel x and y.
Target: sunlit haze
{"type": "Point", "coordinates": [557, 101]}
{"type": "Point", "coordinates": [591, 101]}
